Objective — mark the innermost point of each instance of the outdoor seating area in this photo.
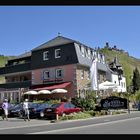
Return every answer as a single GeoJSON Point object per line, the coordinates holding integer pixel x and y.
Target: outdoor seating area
{"type": "Point", "coordinates": [42, 94]}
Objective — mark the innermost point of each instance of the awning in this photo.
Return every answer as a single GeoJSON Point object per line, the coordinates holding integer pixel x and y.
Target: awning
{"type": "Point", "coordinates": [63, 85]}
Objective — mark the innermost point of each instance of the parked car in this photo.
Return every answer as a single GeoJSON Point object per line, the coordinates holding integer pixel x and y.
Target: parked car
{"type": "Point", "coordinates": [35, 112]}
{"type": "Point", "coordinates": [14, 111]}
{"type": "Point", "coordinates": [63, 108]}
{"type": "Point", "coordinates": [17, 110]}
{"type": "Point", "coordinates": [32, 107]}
{"type": "Point", "coordinates": [1, 111]}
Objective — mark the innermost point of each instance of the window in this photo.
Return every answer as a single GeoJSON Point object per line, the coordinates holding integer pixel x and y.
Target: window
{"type": "Point", "coordinates": [57, 53]}
{"type": "Point", "coordinates": [89, 53]}
{"type": "Point", "coordinates": [66, 105]}
{"type": "Point", "coordinates": [71, 105]}
{"type": "Point", "coordinates": [121, 84]}
{"type": "Point", "coordinates": [88, 75]}
{"type": "Point", "coordinates": [82, 74]}
{"type": "Point", "coordinates": [59, 73]}
{"type": "Point", "coordinates": [83, 51]}
{"type": "Point", "coordinates": [45, 55]}
{"type": "Point", "coordinates": [124, 84]}
{"type": "Point", "coordinates": [33, 76]}
{"type": "Point", "coordinates": [46, 74]}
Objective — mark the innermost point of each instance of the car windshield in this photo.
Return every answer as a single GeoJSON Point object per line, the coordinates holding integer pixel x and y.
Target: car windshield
{"type": "Point", "coordinates": [44, 105]}
{"type": "Point", "coordinates": [55, 105]}
{"type": "Point", "coordinates": [17, 106]}
{"type": "Point", "coordinates": [11, 106]}
{"type": "Point", "coordinates": [33, 105]}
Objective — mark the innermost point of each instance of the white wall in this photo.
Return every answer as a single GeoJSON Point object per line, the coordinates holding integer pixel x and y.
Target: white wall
{"type": "Point", "coordinates": [122, 86]}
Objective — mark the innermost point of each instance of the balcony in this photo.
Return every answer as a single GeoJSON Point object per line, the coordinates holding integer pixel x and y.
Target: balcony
{"type": "Point", "coordinates": [15, 68]}
{"type": "Point", "coordinates": [22, 84]}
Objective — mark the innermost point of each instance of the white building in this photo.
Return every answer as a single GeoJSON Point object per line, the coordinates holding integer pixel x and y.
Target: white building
{"type": "Point", "coordinates": [112, 72]}
{"type": "Point", "coordinates": [121, 84]}
{"type": "Point", "coordinates": [117, 76]}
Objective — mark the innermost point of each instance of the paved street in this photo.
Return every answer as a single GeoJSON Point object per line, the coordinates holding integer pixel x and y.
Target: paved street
{"type": "Point", "coordinates": [126, 126]}
{"type": "Point", "coordinates": [111, 124]}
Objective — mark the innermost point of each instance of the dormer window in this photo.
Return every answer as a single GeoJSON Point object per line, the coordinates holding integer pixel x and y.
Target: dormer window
{"type": "Point", "coordinates": [45, 55]}
{"type": "Point", "coordinates": [83, 51]}
{"type": "Point", "coordinates": [57, 53]}
{"type": "Point", "coordinates": [88, 75]}
{"type": "Point", "coordinates": [89, 53]}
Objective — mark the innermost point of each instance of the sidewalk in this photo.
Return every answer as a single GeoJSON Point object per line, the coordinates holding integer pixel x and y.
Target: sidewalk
{"type": "Point", "coordinates": [18, 123]}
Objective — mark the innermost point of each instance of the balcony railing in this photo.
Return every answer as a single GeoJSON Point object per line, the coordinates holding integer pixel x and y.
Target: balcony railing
{"type": "Point", "coordinates": [15, 68]}
{"type": "Point", "coordinates": [21, 84]}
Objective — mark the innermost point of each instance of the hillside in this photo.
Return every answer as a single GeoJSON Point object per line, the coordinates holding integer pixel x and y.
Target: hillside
{"type": "Point", "coordinates": [3, 60]}
{"type": "Point", "coordinates": [128, 63]}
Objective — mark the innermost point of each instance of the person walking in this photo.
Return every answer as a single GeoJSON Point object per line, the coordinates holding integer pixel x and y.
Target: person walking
{"type": "Point", "coordinates": [26, 110]}
{"type": "Point", "coordinates": [5, 109]}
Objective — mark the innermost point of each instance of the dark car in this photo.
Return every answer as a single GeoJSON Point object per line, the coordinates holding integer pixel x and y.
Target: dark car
{"type": "Point", "coordinates": [35, 112]}
{"type": "Point", "coordinates": [1, 110]}
{"type": "Point", "coordinates": [32, 107]}
{"type": "Point", "coordinates": [17, 110]}
{"type": "Point", "coordinates": [14, 111]}
{"type": "Point", "coordinates": [60, 109]}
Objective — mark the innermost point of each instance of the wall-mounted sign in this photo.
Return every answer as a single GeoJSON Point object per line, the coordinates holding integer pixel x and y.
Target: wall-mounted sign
{"type": "Point", "coordinates": [114, 102]}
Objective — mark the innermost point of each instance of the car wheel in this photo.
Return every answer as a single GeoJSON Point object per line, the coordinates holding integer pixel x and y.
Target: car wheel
{"type": "Point", "coordinates": [20, 114]}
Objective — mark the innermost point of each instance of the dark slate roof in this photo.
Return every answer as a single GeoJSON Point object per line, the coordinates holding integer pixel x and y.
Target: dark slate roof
{"type": "Point", "coordinates": [102, 66]}
{"type": "Point", "coordinates": [59, 40]}
{"type": "Point", "coordinates": [26, 54]}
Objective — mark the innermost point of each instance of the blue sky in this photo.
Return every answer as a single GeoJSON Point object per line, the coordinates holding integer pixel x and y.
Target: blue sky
{"type": "Point", "coordinates": [23, 28]}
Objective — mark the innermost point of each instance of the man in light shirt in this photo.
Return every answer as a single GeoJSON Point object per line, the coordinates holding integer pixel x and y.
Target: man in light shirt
{"type": "Point", "coordinates": [5, 109]}
{"type": "Point", "coordinates": [26, 110]}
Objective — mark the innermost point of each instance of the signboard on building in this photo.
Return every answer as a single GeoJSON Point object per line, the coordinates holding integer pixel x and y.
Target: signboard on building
{"type": "Point", "coordinates": [114, 102]}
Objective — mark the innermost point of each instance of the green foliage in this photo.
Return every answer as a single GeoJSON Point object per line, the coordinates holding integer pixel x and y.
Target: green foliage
{"type": "Point", "coordinates": [117, 112]}
{"type": "Point", "coordinates": [136, 80]}
{"type": "Point", "coordinates": [38, 101]}
{"type": "Point", "coordinates": [53, 101]}
{"type": "Point", "coordinates": [137, 93]}
{"type": "Point", "coordinates": [87, 114]}
{"type": "Point", "coordinates": [91, 112]}
{"type": "Point", "coordinates": [74, 116]}
{"type": "Point", "coordinates": [3, 59]}
{"type": "Point", "coordinates": [100, 113]}
{"type": "Point", "coordinates": [87, 103]}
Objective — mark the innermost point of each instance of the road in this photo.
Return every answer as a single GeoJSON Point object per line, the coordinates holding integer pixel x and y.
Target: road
{"type": "Point", "coordinates": [111, 124]}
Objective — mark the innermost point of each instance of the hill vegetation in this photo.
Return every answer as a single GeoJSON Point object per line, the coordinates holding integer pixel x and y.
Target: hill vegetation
{"type": "Point", "coordinates": [3, 60]}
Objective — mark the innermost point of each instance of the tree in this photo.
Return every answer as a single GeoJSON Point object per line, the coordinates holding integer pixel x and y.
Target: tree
{"type": "Point", "coordinates": [136, 80]}
{"type": "Point", "coordinates": [138, 96]}
{"type": "Point", "coordinates": [87, 103]}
